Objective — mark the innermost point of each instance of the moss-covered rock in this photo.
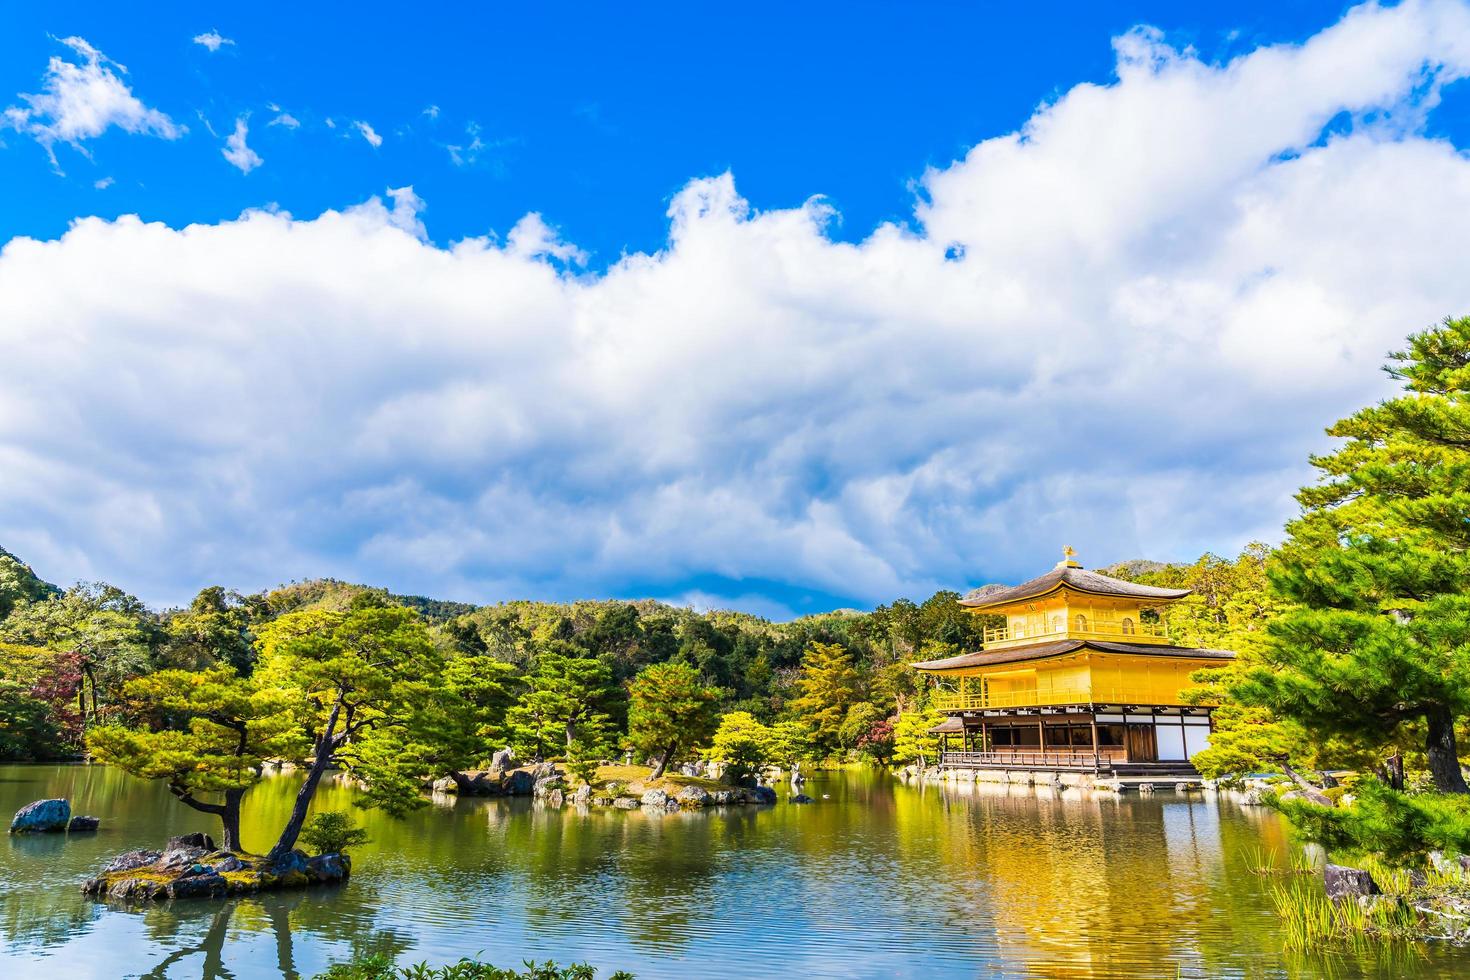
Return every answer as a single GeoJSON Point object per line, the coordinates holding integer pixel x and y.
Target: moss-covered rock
{"type": "Point", "coordinates": [193, 872]}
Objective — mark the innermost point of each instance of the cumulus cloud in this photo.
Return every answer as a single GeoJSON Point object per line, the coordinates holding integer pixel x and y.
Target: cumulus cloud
{"type": "Point", "coordinates": [213, 40]}
{"type": "Point", "coordinates": [285, 119]}
{"type": "Point", "coordinates": [1121, 327]}
{"type": "Point", "coordinates": [368, 133]}
{"type": "Point", "coordinates": [242, 157]}
{"type": "Point", "coordinates": [82, 99]}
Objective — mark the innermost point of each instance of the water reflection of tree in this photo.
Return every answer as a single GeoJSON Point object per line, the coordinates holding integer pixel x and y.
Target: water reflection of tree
{"type": "Point", "coordinates": [202, 929]}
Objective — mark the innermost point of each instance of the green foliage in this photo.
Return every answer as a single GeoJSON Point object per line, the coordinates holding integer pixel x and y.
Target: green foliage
{"type": "Point", "coordinates": [828, 686]}
{"type": "Point", "coordinates": [26, 727]}
{"type": "Point", "coordinates": [379, 967]}
{"type": "Point", "coordinates": [742, 743]}
{"type": "Point", "coordinates": [215, 629]}
{"type": "Point", "coordinates": [912, 741]}
{"type": "Point", "coordinates": [569, 694]}
{"type": "Point", "coordinates": [19, 584]}
{"type": "Point", "coordinates": [860, 718]}
{"type": "Point", "coordinates": [669, 709]}
{"type": "Point", "coordinates": [1402, 827]}
{"type": "Point", "coordinates": [1377, 641]}
{"type": "Point", "coordinates": [332, 832]}
{"type": "Point", "coordinates": [111, 632]}
{"type": "Point", "coordinates": [365, 682]}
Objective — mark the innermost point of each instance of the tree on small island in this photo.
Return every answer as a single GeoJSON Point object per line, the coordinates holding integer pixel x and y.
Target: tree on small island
{"type": "Point", "coordinates": [363, 680]}
{"type": "Point", "coordinates": [363, 690]}
{"type": "Point", "coordinates": [225, 729]}
{"type": "Point", "coordinates": [669, 708]}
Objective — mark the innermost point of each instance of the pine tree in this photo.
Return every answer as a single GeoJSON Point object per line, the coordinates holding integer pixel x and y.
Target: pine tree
{"type": "Point", "coordinates": [568, 691]}
{"type": "Point", "coordinates": [224, 729]}
{"type": "Point", "coordinates": [828, 687]}
{"type": "Point", "coordinates": [1378, 569]}
{"type": "Point", "coordinates": [669, 709]}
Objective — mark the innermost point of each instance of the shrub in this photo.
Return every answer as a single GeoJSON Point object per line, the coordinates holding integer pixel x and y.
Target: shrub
{"type": "Point", "coordinates": [332, 832]}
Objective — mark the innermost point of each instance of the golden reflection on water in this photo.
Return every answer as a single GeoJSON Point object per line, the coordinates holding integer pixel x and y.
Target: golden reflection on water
{"type": "Point", "coordinates": [882, 879]}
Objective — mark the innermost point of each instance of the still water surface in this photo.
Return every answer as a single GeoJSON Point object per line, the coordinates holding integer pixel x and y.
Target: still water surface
{"type": "Point", "coordinates": [880, 879]}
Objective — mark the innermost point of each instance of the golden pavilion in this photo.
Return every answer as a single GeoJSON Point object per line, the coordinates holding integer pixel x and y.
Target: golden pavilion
{"type": "Point", "coordinates": [1081, 677]}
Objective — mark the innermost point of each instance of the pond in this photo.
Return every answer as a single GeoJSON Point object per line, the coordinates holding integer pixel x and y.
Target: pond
{"type": "Point", "coordinates": [875, 879]}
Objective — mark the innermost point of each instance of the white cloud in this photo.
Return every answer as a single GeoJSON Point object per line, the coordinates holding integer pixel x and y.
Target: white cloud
{"type": "Point", "coordinates": [1170, 283]}
{"type": "Point", "coordinates": [81, 100]}
{"type": "Point", "coordinates": [213, 40]}
{"type": "Point", "coordinates": [285, 119]}
{"type": "Point", "coordinates": [368, 133]}
{"type": "Point", "coordinates": [103, 183]}
{"type": "Point", "coordinates": [431, 111]}
{"type": "Point", "coordinates": [242, 157]}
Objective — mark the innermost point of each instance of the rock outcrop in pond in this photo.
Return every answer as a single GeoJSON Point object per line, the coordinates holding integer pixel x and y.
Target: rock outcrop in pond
{"type": "Point", "coordinates": [191, 866]}
{"type": "Point", "coordinates": [50, 817]}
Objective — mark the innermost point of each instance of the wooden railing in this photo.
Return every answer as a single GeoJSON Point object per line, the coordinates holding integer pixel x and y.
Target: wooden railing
{"type": "Point", "coordinates": [1093, 630]}
{"type": "Point", "coordinates": [1075, 757]}
{"type": "Point", "coordinates": [1109, 694]}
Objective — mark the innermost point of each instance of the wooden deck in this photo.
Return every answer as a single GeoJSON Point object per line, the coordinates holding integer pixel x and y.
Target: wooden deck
{"type": "Point", "coordinates": [1108, 759]}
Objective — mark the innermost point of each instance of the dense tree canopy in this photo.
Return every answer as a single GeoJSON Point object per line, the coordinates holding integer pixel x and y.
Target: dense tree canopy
{"type": "Point", "coordinates": [1377, 568]}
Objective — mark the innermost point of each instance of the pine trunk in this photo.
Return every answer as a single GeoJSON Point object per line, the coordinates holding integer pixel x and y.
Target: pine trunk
{"type": "Point", "coordinates": [230, 819]}
{"type": "Point", "coordinates": [663, 762]}
{"type": "Point", "coordinates": [287, 841]}
{"type": "Point", "coordinates": [1444, 758]}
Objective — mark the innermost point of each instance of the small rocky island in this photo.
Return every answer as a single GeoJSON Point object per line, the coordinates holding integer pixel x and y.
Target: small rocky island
{"type": "Point", "coordinates": [190, 866]}
{"type": "Point", "coordinates": [621, 787]}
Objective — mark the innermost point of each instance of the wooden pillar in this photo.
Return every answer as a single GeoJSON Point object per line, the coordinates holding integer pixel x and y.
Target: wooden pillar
{"type": "Point", "coordinates": [1093, 719]}
{"type": "Point", "coordinates": [1041, 736]}
{"type": "Point", "coordinates": [984, 736]}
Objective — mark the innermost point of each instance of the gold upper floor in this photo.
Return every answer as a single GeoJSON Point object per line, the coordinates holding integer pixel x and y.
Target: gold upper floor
{"type": "Point", "coordinates": [1068, 615]}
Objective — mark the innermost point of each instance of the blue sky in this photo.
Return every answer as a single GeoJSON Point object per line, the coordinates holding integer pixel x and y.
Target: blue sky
{"type": "Point", "coordinates": [800, 307]}
{"type": "Point", "coordinates": [594, 115]}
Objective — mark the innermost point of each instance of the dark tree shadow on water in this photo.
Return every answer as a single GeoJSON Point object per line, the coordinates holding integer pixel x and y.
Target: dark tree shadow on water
{"type": "Point", "coordinates": [310, 916]}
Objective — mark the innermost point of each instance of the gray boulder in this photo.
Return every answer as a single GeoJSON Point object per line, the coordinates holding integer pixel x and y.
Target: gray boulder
{"type": "Point", "coordinates": [625, 803]}
{"type": "Point", "coordinates": [655, 797]}
{"type": "Point", "coordinates": [294, 861]}
{"type": "Point", "coordinates": [131, 860]}
{"type": "Point", "coordinates": [208, 885]}
{"type": "Point", "coordinates": [329, 867]}
{"type": "Point", "coordinates": [692, 796]}
{"type": "Point", "coordinates": [41, 817]}
{"type": "Point", "coordinates": [555, 797]}
{"type": "Point", "coordinates": [583, 795]}
{"type": "Point", "coordinates": [445, 785]}
{"type": "Point", "coordinates": [1344, 882]}
{"type": "Point", "coordinates": [227, 864]}
{"type": "Point", "coordinates": [181, 857]}
{"type": "Point", "coordinates": [760, 794]}
{"type": "Point", "coordinates": [82, 825]}
{"type": "Point", "coordinates": [503, 760]}
{"type": "Point", "coordinates": [190, 840]}
{"type": "Point", "coordinates": [801, 798]}
{"type": "Point", "coordinates": [518, 783]}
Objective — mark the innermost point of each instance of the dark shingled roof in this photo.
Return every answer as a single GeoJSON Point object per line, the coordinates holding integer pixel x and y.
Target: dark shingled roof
{"type": "Point", "coordinates": [949, 726]}
{"type": "Point", "coordinates": [1057, 648]}
{"type": "Point", "coordinates": [1073, 578]}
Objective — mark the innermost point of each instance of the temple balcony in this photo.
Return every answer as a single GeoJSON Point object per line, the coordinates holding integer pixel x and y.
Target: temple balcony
{"type": "Point", "coordinates": [1162, 692]}
{"type": "Point", "coordinates": [1125, 631]}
